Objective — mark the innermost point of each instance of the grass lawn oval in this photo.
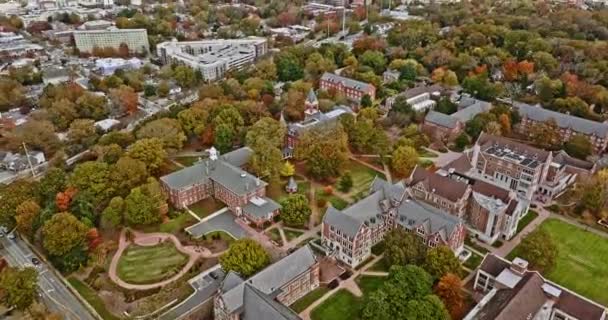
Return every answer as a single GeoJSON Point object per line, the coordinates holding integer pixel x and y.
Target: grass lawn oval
{"type": "Point", "coordinates": [150, 264]}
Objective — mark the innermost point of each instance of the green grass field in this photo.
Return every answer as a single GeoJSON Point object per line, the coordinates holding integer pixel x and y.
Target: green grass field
{"type": "Point", "coordinates": [303, 303]}
{"type": "Point", "coordinates": [206, 207]}
{"type": "Point", "coordinates": [473, 261]}
{"type": "Point", "coordinates": [143, 265]}
{"type": "Point", "coordinates": [342, 305]}
{"type": "Point", "coordinates": [92, 298]}
{"type": "Point", "coordinates": [176, 224]}
{"type": "Point", "coordinates": [525, 220]}
{"type": "Point", "coordinates": [292, 234]}
{"type": "Point", "coordinates": [581, 263]}
{"type": "Point", "coordinates": [369, 284]}
{"type": "Point", "coordinates": [381, 265]}
{"type": "Point", "coordinates": [362, 176]}
{"type": "Point", "coordinates": [275, 236]}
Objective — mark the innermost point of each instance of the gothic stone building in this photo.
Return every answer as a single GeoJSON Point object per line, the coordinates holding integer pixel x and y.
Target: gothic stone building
{"type": "Point", "coordinates": [266, 294]}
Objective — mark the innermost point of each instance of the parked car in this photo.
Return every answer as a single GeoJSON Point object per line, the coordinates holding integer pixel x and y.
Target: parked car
{"type": "Point", "coordinates": [35, 261]}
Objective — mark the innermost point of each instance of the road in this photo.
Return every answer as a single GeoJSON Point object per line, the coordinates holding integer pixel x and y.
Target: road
{"type": "Point", "coordinates": [53, 291]}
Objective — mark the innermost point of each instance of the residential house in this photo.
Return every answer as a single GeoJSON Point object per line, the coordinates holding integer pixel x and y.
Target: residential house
{"type": "Point", "coordinates": [569, 126]}
{"type": "Point", "coordinates": [55, 75]}
{"type": "Point", "coordinates": [390, 76]}
{"type": "Point", "coordinates": [16, 162]}
{"type": "Point", "coordinates": [506, 290]}
{"type": "Point", "coordinates": [352, 89]}
{"type": "Point", "coordinates": [222, 178]}
{"type": "Point", "coordinates": [266, 294]}
{"type": "Point", "coordinates": [349, 234]}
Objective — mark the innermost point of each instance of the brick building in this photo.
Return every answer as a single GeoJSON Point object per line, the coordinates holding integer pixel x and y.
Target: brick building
{"type": "Point", "coordinates": [352, 89]}
{"type": "Point", "coordinates": [506, 290]}
{"type": "Point", "coordinates": [569, 126]}
{"type": "Point", "coordinates": [266, 294]}
{"type": "Point", "coordinates": [350, 233]}
{"type": "Point", "coordinates": [443, 127]}
{"type": "Point", "coordinates": [222, 178]}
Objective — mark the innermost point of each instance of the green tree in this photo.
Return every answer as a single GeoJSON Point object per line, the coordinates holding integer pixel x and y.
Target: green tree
{"type": "Point", "coordinates": [53, 182]}
{"type": "Point", "coordinates": [540, 250]}
{"type": "Point", "coordinates": [481, 87]}
{"type": "Point", "coordinates": [148, 151]}
{"type": "Point", "coordinates": [19, 287]}
{"type": "Point", "coordinates": [316, 65]}
{"type": "Point", "coordinates": [403, 248]}
{"type": "Point", "coordinates": [93, 177]}
{"type": "Point", "coordinates": [287, 169]}
{"type": "Point", "coordinates": [579, 147]}
{"type": "Point", "coordinates": [82, 132]}
{"type": "Point", "coordinates": [295, 210]}
{"type": "Point", "coordinates": [193, 120]}
{"type": "Point", "coordinates": [149, 90]}
{"type": "Point", "coordinates": [288, 67]}
{"type": "Point", "coordinates": [462, 141]}
{"type": "Point", "coordinates": [27, 213]}
{"type": "Point", "coordinates": [121, 138]}
{"type": "Point", "coordinates": [163, 89]}
{"type": "Point", "coordinates": [346, 182]}
{"type": "Point", "coordinates": [184, 76]}
{"type": "Point", "coordinates": [12, 196]}
{"type": "Point", "coordinates": [71, 260]}
{"type": "Point", "coordinates": [144, 204]}
{"type": "Point", "coordinates": [404, 160]}
{"type": "Point", "coordinates": [168, 130]}
{"type": "Point", "coordinates": [112, 215]}
{"type": "Point", "coordinates": [224, 137]}
{"type": "Point", "coordinates": [62, 233]}
{"type": "Point", "coordinates": [373, 59]}
{"type": "Point", "coordinates": [446, 106]}
{"type": "Point", "coordinates": [246, 257]}
{"type": "Point", "coordinates": [440, 261]}
{"type": "Point", "coordinates": [325, 151]}
{"type": "Point", "coordinates": [127, 174]}
{"type": "Point", "coordinates": [266, 160]}
{"type": "Point", "coordinates": [266, 130]}
{"type": "Point", "coordinates": [366, 101]}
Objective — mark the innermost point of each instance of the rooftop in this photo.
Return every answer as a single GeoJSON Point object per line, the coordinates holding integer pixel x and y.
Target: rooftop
{"type": "Point", "coordinates": [538, 113]}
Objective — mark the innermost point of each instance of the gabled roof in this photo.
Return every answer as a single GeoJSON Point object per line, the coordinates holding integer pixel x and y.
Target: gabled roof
{"type": "Point", "coordinates": [441, 119]}
{"type": "Point", "coordinates": [347, 82]}
{"type": "Point", "coordinates": [312, 97]}
{"type": "Point", "coordinates": [537, 113]}
{"type": "Point", "coordinates": [261, 208]}
{"type": "Point", "coordinates": [412, 214]}
{"type": "Point", "coordinates": [258, 305]}
{"type": "Point", "coordinates": [443, 186]}
{"type": "Point", "coordinates": [347, 224]}
{"type": "Point", "coordinates": [470, 107]}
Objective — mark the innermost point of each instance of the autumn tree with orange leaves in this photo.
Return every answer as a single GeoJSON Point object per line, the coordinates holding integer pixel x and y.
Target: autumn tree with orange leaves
{"type": "Point", "coordinates": [126, 98]}
{"type": "Point", "coordinates": [325, 151]}
{"type": "Point", "coordinates": [64, 199]}
{"type": "Point", "coordinates": [449, 290]}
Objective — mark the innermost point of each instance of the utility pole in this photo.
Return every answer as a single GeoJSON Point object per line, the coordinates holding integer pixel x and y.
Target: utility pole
{"type": "Point", "coordinates": [29, 161]}
{"type": "Point", "coordinates": [344, 21]}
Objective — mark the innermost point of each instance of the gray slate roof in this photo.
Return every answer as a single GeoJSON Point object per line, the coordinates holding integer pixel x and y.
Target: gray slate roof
{"type": "Point", "coordinates": [270, 280]}
{"type": "Point", "coordinates": [262, 210]}
{"type": "Point", "coordinates": [258, 306]}
{"type": "Point", "coordinates": [412, 214]}
{"type": "Point", "coordinates": [348, 82]}
{"type": "Point", "coordinates": [537, 113]}
{"type": "Point", "coordinates": [469, 108]}
{"type": "Point", "coordinates": [441, 119]}
{"type": "Point", "coordinates": [312, 97]}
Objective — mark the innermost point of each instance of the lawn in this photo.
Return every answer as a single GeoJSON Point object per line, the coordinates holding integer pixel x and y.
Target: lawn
{"type": "Point", "coordinates": [381, 265]}
{"type": "Point", "coordinates": [206, 207]}
{"type": "Point", "coordinates": [303, 303]}
{"type": "Point", "coordinates": [187, 161]}
{"type": "Point", "coordinates": [275, 236]}
{"type": "Point", "coordinates": [369, 284]}
{"type": "Point", "coordinates": [92, 298]}
{"type": "Point", "coordinates": [342, 305]}
{"type": "Point", "coordinates": [176, 224]}
{"type": "Point", "coordinates": [468, 242]}
{"type": "Point", "coordinates": [473, 261]}
{"type": "Point", "coordinates": [292, 234]}
{"type": "Point", "coordinates": [276, 189]}
{"type": "Point", "coordinates": [423, 153]}
{"type": "Point", "coordinates": [362, 176]}
{"type": "Point", "coordinates": [143, 265]}
{"type": "Point", "coordinates": [221, 235]}
{"type": "Point", "coordinates": [525, 220]}
{"type": "Point", "coordinates": [581, 262]}
{"type": "Point", "coordinates": [335, 201]}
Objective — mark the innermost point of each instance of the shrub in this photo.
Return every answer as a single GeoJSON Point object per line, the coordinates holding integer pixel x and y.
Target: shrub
{"type": "Point", "coordinates": [346, 274]}
{"type": "Point", "coordinates": [276, 218]}
{"type": "Point", "coordinates": [321, 203]}
{"type": "Point", "coordinates": [266, 224]}
{"type": "Point", "coordinates": [328, 190]}
{"type": "Point", "coordinates": [333, 284]}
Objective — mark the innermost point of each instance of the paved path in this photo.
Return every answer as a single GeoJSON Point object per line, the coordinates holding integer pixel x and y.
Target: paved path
{"type": "Point", "coordinates": [152, 239]}
{"type": "Point", "coordinates": [443, 158]}
{"type": "Point", "coordinates": [508, 246]}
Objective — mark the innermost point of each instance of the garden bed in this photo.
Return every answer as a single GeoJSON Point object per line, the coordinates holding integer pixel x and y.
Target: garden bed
{"type": "Point", "coordinates": [304, 302]}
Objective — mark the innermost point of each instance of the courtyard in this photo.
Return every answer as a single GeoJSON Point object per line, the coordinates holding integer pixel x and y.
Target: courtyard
{"type": "Point", "coordinates": [222, 221]}
{"type": "Point", "coordinates": [581, 261]}
{"type": "Point", "coordinates": [143, 265]}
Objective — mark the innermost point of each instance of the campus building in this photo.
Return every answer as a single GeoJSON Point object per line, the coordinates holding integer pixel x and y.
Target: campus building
{"type": "Point", "coordinates": [569, 126]}
{"type": "Point", "coordinates": [135, 39]}
{"type": "Point", "coordinates": [420, 98]}
{"type": "Point", "coordinates": [213, 58]}
{"type": "Point", "coordinates": [349, 234]}
{"type": "Point", "coordinates": [352, 89]}
{"type": "Point", "coordinates": [444, 127]}
{"type": "Point", "coordinates": [506, 290]}
{"type": "Point", "coordinates": [222, 178]}
{"type": "Point", "coordinates": [267, 294]}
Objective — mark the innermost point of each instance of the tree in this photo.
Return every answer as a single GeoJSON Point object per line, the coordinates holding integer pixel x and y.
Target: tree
{"type": "Point", "coordinates": [126, 98]}
{"type": "Point", "coordinates": [27, 213]}
{"type": "Point", "coordinates": [193, 120]}
{"type": "Point", "coordinates": [246, 257]}
{"type": "Point", "coordinates": [480, 86]}
{"type": "Point", "coordinates": [287, 169]}
{"type": "Point", "coordinates": [93, 177]}
{"type": "Point", "coordinates": [317, 65]}
{"type": "Point", "coordinates": [449, 290]}
{"type": "Point", "coordinates": [266, 160]}
{"type": "Point", "coordinates": [446, 106]}
{"type": "Point", "coordinates": [325, 151]}
{"type": "Point", "coordinates": [440, 261]}
{"type": "Point", "coordinates": [366, 101]}
{"type": "Point", "coordinates": [127, 174]}
{"type": "Point", "coordinates": [545, 134]}
{"type": "Point", "coordinates": [38, 134]}
{"type": "Point", "coordinates": [19, 287]}
{"type": "Point", "coordinates": [579, 147]}
{"type": "Point", "coordinates": [62, 233]}
{"type": "Point", "coordinates": [224, 137]}
{"type": "Point", "coordinates": [167, 130]}
{"type": "Point", "coordinates": [12, 196]}
{"type": "Point", "coordinates": [266, 130]}
{"type": "Point", "coordinates": [288, 67]}
{"type": "Point", "coordinates": [12, 94]}
{"type": "Point", "coordinates": [462, 141]}
{"type": "Point", "coordinates": [403, 248]}
{"type": "Point", "coordinates": [82, 132]}
{"type": "Point", "coordinates": [113, 213]}
{"type": "Point", "coordinates": [404, 160]}
{"type": "Point", "coordinates": [163, 89]}
{"type": "Point", "coordinates": [71, 260]}
{"type": "Point", "coordinates": [374, 60]}
{"type": "Point", "coordinates": [406, 294]}
{"type": "Point", "coordinates": [184, 76]}
{"type": "Point", "coordinates": [346, 182]}
{"type": "Point", "coordinates": [539, 249]}
{"type": "Point", "coordinates": [144, 205]}
{"type": "Point", "coordinates": [148, 151]}
{"type": "Point", "coordinates": [295, 210]}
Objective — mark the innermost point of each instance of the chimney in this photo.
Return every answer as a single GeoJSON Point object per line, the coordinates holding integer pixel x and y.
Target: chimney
{"type": "Point", "coordinates": [519, 266]}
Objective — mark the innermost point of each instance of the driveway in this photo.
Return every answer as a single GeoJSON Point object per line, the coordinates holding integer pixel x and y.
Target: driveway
{"type": "Point", "coordinates": [223, 220]}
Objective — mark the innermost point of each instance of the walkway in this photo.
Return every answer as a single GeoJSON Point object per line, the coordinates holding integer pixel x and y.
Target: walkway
{"type": "Point", "coordinates": [221, 220]}
{"type": "Point", "coordinates": [508, 246]}
{"type": "Point", "coordinates": [152, 239]}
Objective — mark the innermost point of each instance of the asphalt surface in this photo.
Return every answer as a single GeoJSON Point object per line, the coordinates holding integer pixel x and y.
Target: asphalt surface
{"type": "Point", "coordinates": [222, 222]}
{"type": "Point", "coordinates": [52, 290]}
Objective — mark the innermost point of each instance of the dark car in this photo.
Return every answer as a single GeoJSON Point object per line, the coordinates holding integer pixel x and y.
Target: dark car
{"type": "Point", "coordinates": [35, 261]}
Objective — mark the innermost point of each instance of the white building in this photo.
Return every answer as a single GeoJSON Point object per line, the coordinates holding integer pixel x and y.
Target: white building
{"type": "Point", "coordinates": [135, 39]}
{"type": "Point", "coordinates": [107, 66]}
{"type": "Point", "coordinates": [213, 58]}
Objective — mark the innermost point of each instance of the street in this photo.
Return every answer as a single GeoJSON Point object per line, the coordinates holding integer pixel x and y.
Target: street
{"type": "Point", "coordinates": [53, 291]}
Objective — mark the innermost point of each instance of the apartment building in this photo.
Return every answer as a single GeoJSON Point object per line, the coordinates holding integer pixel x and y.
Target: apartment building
{"type": "Point", "coordinates": [506, 290]}
{"type": "Point", "coordinates": [352, 89]}
{"type": "Point", "coordinates": [349, 234]}
{"type": "Point", "coordinates": [569, 126]}
{"type": "Point", "coordinates": [222, 178]}
{"type": "Point", "coordinates": [267, 294]}
{"type": "Point", "coordinates": [213, 58]}
{"type": "Point", "coordinates": [135, 39]}
{"type": "Point", "coordinates": [489, 212]}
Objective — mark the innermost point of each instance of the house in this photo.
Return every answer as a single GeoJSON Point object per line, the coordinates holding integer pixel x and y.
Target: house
{"type": "Point", "coordinates": [443, 127]}
{"type": "Point", "coordinates": [352, 89]}
{"type": "Point", "coordinates": [506, 290]}
{"type": "Point", "coordinates": [569, 126]}
{"type": "Point", "coordinates": [222, 178]}
{"type": "Point", "coordinates": [489, 212]}
{"type": "Point", "coordinates": [390, 76]}
{"type": "Point", "coordinates": [16, 162]}
{"type": "Point", "coordinates": [266, 294]}
{"type": "Point", "coordinates": [55, 75]}
{"type": "Point", "coordinates": [349, 234]}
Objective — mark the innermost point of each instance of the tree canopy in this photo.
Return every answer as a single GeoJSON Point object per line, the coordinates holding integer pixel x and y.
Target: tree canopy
{"type": "Point", "coordinates": [246, 257]}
